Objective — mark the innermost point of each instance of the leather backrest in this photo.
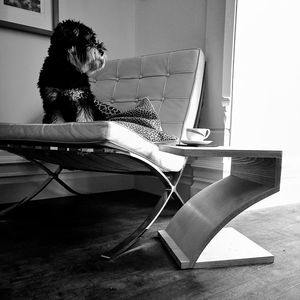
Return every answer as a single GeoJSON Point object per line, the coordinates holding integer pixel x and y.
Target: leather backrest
{"type": "Point", "coordinates": [171, 80]}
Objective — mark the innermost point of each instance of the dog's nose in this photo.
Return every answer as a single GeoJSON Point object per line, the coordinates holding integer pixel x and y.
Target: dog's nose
{"type": "Point", "coordinates": [102, 57]}
{"type": "Point", "coordinates": [101, 48]}
{"type": "Point", "coordinates": [102, 60]}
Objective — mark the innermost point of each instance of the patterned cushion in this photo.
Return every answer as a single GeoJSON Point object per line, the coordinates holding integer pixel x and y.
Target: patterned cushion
{"type": "Point", "coordinates": [142, 119]}
{"type": "Point", "coordinates": [106, 109]}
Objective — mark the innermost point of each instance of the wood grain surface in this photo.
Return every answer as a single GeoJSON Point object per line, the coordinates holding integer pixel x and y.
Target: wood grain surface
{"type": "Point", "coordinates": [51, 249]}
{"type": "Point", "coordinates": [255, 174]}
{"type": "Point", "coordinates": [219, 151]}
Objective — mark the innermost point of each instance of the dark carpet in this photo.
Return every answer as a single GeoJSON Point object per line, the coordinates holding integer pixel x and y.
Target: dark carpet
{"type": "Point", "coordinates": [51, 249]}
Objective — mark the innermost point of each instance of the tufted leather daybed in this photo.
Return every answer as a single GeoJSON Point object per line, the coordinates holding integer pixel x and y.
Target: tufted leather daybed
{"type": "Point", "coordinates": [173, 83]}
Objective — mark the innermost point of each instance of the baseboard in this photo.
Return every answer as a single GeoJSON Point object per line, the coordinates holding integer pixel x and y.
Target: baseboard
{"type": "Point", "coordinates": [197, 175]}
{"type": "Point", "coordinates": [153, 185]}
{"type": "Point", "coordinates": [18, 178]}
{"type": "Point", "coordinates": [148, 184]}
{"type": "Point", "coordinates": [22, 177]}
{"type": "Point", "coordinates": [15, 188]}
{"type": "Point", "coordinates": [205, 172]}
{"type": "Point", "coordinates": [9, 158]}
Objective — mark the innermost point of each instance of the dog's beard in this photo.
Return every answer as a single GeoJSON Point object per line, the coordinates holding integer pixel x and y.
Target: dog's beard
{"type": "Point", "coordinates": [92, 62]}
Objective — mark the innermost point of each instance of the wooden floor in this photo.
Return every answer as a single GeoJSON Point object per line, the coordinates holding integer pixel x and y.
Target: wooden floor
{"type": "Point", "coordinates": [51, 250]}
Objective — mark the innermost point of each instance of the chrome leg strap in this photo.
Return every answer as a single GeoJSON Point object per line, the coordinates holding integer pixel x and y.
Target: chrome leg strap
{"type": "Point", "coordinates": [55, 177]}
{"type": "Point", "coordinates": [131, 239]}
{"type": "Point", "coordinates": [170, 190]}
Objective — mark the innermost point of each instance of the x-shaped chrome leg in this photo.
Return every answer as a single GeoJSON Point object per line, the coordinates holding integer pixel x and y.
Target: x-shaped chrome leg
{"type": "Point", "coordinates": [52, 175]}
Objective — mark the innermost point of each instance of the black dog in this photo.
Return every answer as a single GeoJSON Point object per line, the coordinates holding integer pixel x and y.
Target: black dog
{"type": "Point", "coordinates": [73, 55]}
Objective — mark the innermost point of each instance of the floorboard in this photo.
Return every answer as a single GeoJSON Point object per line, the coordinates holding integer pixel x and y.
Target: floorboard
{"type": "Point", "coordinates": [51, 249]}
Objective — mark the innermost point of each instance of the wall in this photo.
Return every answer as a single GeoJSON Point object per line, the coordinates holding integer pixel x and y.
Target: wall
{"type": "Point", "coordinates": [212, 115]}
{"type": "Point", "coordinates": [169, 25]}
{"type": "Point", "coordinates": [112, 20]}
{"type": "Point", "coordinates": [21, 57]}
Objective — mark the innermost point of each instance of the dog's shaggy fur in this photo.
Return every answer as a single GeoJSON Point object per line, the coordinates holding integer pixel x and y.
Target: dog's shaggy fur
{"type": "Point", "coordinates": [73, 55]}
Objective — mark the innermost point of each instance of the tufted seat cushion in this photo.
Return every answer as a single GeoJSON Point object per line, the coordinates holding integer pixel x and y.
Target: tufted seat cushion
{"type": "Point", "coordinates": [90, 136]}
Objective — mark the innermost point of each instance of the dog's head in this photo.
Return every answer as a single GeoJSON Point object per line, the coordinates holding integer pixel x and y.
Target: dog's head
{"type": "Point", "coordinates": [77, 43]}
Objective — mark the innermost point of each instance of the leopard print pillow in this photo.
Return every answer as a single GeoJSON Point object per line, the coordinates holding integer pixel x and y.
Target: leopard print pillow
{"type": "Point", "coordinates": [143, 119]}
{"type": "Point", "coordinates": [106, 110]}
